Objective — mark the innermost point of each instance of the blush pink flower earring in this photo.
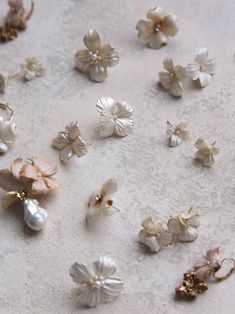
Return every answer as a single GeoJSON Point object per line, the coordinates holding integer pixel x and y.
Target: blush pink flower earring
{"type": "Point", "coordinates": [195, 280]}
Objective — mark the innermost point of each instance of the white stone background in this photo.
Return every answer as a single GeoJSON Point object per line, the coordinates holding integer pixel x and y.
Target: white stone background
{"type": "Point", "coordinates": [34, 268]}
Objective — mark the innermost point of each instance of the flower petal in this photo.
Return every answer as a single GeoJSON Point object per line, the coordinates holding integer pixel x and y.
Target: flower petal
{"type": "Point", "coordinates": [67, 153]}
{"type": "Point", "coordinates": [165, 238]}
{"type": "Point", "coordinates": [150, 241]}
{"type": "Point", "coordinates": [30, 172]}
{"type": "Point", "coordinates": [73, 130]}
{"type": "Point", "coordinates": [122, 110]}
{"type": "Point", "coordinates": [98, 72]}
{"type": "Point", "coordinates": [105, 266]}
{"type": "Point", "coordinates": [193, 71]}
{"type": "Point", "coordinates": [212, 255]}
{"type": "Point", "coordinates": [169, 25]}
{"type": "Point", "coordinates": [174, 140]}
{"type": "Point", "coordinates": [8, 132]}
{"type": "Point", "coordinates": [82, 60]}
{"type": "Point", "coordinates": [145, 29]}
{"type": "Point", "coordinates": [3, 148]}
{"type": "Point", "coordinates": [168, 65]}
{"type": "Point", "coordinates": [16, 167]}
{"type": "Point", "coordinates": [210, 66]}
{"type": "Point", "coordinates": [83, 295]}
{"type": "Point", "coordinates": [44, 166]}
{"type": "Point", "coordinates": [200, 144]}
{"type": "Point", "coordinates": [8, 199]}
{"type": "Point", "coordinates": [93, 212]}
{"type": "Point", "coordinates": [201, 55]}
{"type": "Point", "coordinates": [109, 56]}
{"type": "Point", "coordinates": [81, 273]}
{"type": "Point", "coordinates": [61, 140]}
{"type": "Point", "coordinates": [176, 88]}
{"type": "Point", "coordinates": [157, 40]}
{"type": "Point", "coordinates": [156, 14]}
{"type": "Point", "coordinates": [92, 40]}
{"type": "Point", "coordinates": [165, 80]}
{"type": "Point", "coordinates": [40, 187]}
{"type": "Point", "coordinates": [150, 226]}
{"type": "Point", "coordinates": [8, 182]}
{"type": "Point", "coordinates": [123, 126]}
{"type": "Point", "coordinates": [105, 103]}
{"type": "Point", "coordinates": [111, 289]}
{"type": "Point", "coordinates": [194, 220]}
{"type": "Point", "coordinates": [107, 128]}
{"type": "Point", "coordinates": [109, 187]}
{"type": "Point", "coordinates": [51, 183]}
{"type": "Point", "coordinates": [174, 225]}
{"type": "Point", "coordinates": [79, 147]}
{"type": "Point", "coordinates": [188, 234]}
{"type": "Point", "coordinates": [180, 72]}
{"type": "Point", "coordinates": [204, 79]}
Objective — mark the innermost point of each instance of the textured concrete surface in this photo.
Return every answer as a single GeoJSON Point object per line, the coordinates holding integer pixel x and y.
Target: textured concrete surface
{"type": "Point", "coordinates": [154, 179]}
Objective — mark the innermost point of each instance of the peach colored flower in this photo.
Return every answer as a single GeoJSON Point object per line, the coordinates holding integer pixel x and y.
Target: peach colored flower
{"type": "Point", "coordinates": [207, 264]}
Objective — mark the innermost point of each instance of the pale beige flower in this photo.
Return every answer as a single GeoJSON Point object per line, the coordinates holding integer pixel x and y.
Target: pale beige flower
{"type": "Point", "coordinates": [177, 133]}
{"type": "Point", "coordinates": [96, 58]}
{"type": "Point", "coordinates": [203, 68]}
{"type": "Point", "coordinates": [32, 68]}
{"type": "Point", "coordinates": [184, 226]}
{"type": "Point", "coordinates": [158, 26]}
{"type": "Point", "coordinates": [3, 82]}
{"type": "Point", "coordinates": [205, 153]}
{"type": "Point", "coordinates": [171, 78]}
{"type": "Point", "coordinates": [7, 134]}
{"type": "Point", "coordinates": [154, 236]}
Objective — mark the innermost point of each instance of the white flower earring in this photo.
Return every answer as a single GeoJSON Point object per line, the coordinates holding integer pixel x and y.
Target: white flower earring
{"type": "Point", "coordinates": [115, 117]}
{"type": "Point", "coordinates": [7, 129]}
{"type": "Point", "coordinates": [96, 283]}
{"type": "Point", "coordinates": [96, 58]}
{"type": "Point", "coordinates": [70, 143]}
{"type": "Point", "coordinates": [203, 68]}
{"type": "Point", "coordinates": [177, 133]}
{"type": "Point", "coordinates": [205, 153]}
{"type": "Point", "coordinates": [181, 228]}
{"type": "Point", "coordinates": [31, 69]}
{"type": "Point", "coordinates": [100, 202]}
{"type": "Point", "coordinates": [171, 78]}
{"type": "Point", "coordinates": [158, 26]}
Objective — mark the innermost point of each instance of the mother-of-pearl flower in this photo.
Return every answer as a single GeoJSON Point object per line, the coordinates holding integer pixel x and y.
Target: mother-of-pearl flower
{"type": "Point", "coordinates": [170, 79]}
{"type": "Point", "coordinates": [96, 283]}
{"type": "Point", "coordinates": [203, 68]}
{"type": "Point", "coordinates": [115, 117]}
{"type": "Point", "coordinates": [7, 130]}
{"type": "Point", "coordinates": [158, 26]}
{"type": "Point", "coordinates": [205, 153]}
{"type": "Point", "coordinates": [100, 202]}
{"type": "Point", "coordinates": [31, 69]}
{"type": "Point", "coordinates": [177, 133]}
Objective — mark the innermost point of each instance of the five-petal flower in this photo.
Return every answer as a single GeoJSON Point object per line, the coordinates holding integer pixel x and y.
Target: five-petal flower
{"type": "Point", "coordinates": [96, 284]}
{"type": "Point", "coordinates": [96, 58]}
{"type": "Point", "coordinates": [171, 78]}
{"type": "Point", "coordinates": [32, 68]}
{"type": "Point", "coordinates": [70, 142]}
{"type": "Point", "coordinates": [205, 153]}
{"type": "Point", "coordinates": [115, 117]}
{"type": "Point", "coordinates": [158, 26]}
{"type": "Point", "coordinates": [203, 68]}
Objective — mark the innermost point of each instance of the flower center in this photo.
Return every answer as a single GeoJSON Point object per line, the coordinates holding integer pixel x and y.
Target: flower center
{"type": "Point", "coordinates": [94, 56]}
{"type": "Point", "coordinates": [115, 117]}
{"type": "Point", "coordinates": [202, 68]}
{"type": "Point", "coordinates": [96, 282]}
{"type": "Point", "coordinates": [157, 28]}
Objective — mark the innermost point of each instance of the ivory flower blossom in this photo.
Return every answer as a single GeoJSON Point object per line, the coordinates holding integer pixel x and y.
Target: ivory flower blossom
{"type": "Point", "coordinates": [177, 133]}
{"type": "Point", "coordinates": [205, 153]}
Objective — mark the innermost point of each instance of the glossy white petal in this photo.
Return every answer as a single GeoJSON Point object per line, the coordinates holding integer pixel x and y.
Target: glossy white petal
{"type": "Point", "coordinates": [174, 140]}
{"type": "Point", "coordinates": [109, 187]}
{"type": "Point", "coordinates": [169, 25]}
{"type": "Point", "coordinates": [156, 14]}
{"type": "Point", "coordinates": [66, 154]}
{"type": "Point", "coordinates": [157, 40]}
{"type": "Point", "coordinates": [110, 56]}
{"type": "Point", "coordinates": [81, 273]}
{"type": "Point", "coordinates": [180, 72]}
{"type": "Point", "coordinates": [176, 88]}
{"type": "Point", "coordinates": [150, 226]}
{"type": "Point", "coordinates": [61, 140]}
{"type": "Point", "coordinates": [83, 295]}
{"type": "Point", "coordinates": [3, 148]}
{"type": "Point", "coordinates": [193, 71]}
{"type": "Point", "coordinates": [149, 240]}
{"type": "Point", "coordinates": [165, 80]}
{"type": "Point", "coordinates": [8, 132]}
{"type": "Point", "coordinates": [201, 55]}
{"type": "Point", "coordinates": [111, 289]}
{"type": "Point", "coordinates": [82, 60]}
{"type": "Point", "coordinates": [168, 65]}
{"type": "Point", "coordinates": [210, 66]}
{"type": "Point", "coordinates": [145, 29]}
{"type": "Point", "coordinates": [188, 234]}
{"type": "Point", "coordinates": [98, 72]}
{"type": "Point", "coordinates": [92, 40]}
{"type": "Point", "coordinates": [105, 266]}
{"type": "Point", "coordinates": [79, 147]}
{"type": "Point", "coordinates": [204, 79]}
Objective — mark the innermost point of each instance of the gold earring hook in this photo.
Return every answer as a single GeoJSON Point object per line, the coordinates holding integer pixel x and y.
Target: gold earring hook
{"type": "Point", "coordinates": [8, 108]}
{"type": "Point", "coordinates": [230, 272]}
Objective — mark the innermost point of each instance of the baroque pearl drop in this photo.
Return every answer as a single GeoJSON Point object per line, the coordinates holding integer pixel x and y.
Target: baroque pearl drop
{"type": "Point", "coordinates": [34, 216]}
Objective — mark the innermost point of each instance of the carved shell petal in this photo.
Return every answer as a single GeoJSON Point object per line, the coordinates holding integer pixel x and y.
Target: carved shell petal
{"type": "Point", "coordinates": [111, 289]}
{"type": "Point", "coordinates": [67, 153]}
{"type": "Point", "coordinates": [79, 147]}
{"type": "Point", "coordinates": [150, 241]}
{"type": "Point", "coordinates": [188, 234]}
{"type": "Point", "coordinates": [61, 140]}
{"type": "Point", "coordinates": [81, 273]}
{"type": "Point", "coordinates": [174, 140]}
{"type": "Point", "coordinates": [83, 295]}
{"type": "Point", "coordinates": [109, 187]}
{"type": "Point", "coordinates": [105, 266]}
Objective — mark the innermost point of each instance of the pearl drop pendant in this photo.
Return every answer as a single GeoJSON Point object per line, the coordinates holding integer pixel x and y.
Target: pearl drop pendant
{"type": "Point", "coordinates": [34, 216]}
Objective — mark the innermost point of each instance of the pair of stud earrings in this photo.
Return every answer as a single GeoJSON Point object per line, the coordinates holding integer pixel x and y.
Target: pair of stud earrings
{"type": "Point", "coordinates": [205, 153]}
{"type": "Point", "coordinates": [115, 119]}
{"type": "Point", "coordinates": [181, 228]}
{"type": "Point", "coordinates": [201, 70]}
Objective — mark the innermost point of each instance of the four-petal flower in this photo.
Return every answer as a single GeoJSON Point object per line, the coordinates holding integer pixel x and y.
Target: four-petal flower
{"type": "Point", "coordinates": [158, 26]}
{"type": "Point", "coordinates": [207, 264]}
{"type": "Point", "coordinates": [32, 68]}
{"type": "Point", "coordinates": [96, 58]}
{"type": "Point", "coordinates": [205, 153]}
{"type": "Point", "coordinates": [96, 284]}
{"type": "Point", "coordinates": [177, 133]}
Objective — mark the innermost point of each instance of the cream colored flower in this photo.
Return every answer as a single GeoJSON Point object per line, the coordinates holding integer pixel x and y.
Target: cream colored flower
{"type": "Point", "coordinates": [158, 26]}
{"type": "Point", "coordinates": [7, 134]}
{"type": "Point", "coordinates": [205, 153]}
{"type": "Point", "coordinates": [154, 235]}
{"type": "Point", "coordinates": [70, 142]}
{"type": "Point", "coordinates": [207, 264]}
{"type": "Point", "coordinates": [171, 78]}
{"type": "Point", "coordinates": [177, 133]}
{"type": "Point", "coordinates": [100, 202]}
{"type": "Point", "coordinates": [96, 58]}
{"type": "Point", "coordinates": [203, 68]}
{"type": "Point", "coordinates": [96, 284]}
{"type": "Point", "coordinates": [115, 118]}
{"type": "Point", "coordinates": [184, 227]}
{"type": "Point", "coordinates": [3, 82]}
{"type": "Point", "coordinates": [32, 69]}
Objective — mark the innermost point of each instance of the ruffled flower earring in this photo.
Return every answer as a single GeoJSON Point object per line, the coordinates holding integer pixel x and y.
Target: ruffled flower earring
{"type": "Point", "coordinates": [7, 129]}
{"type": "Point", "coordinates": [171, 78]}
{"type": "Point", "coordinates": [96, 283]}
{"type": "Point", "coordinates": [100, 202]}
{"type": "Point", "coordinates": [115, 117]}
{"type": "Point", "coordinates": [195, 280]}
{"type": "Point", "coordinates": [157, 28]}
{"type": "Point", "coordinates": [96, 58]}
{"type": "Point", "coordinates": [26, 181]}
{"type": "Point", "coordinates": [205, 153]}
{"type": "Point", "coordinates": [177, 133]}
{"type": "Point", "coordinates": [203, 68]}
{"type": "Point", "coordinates": [16, 20]}
{"type": "Point", "coordinates": [182, 228]}
{"type": "Point", "coordinates": [70, 142]}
